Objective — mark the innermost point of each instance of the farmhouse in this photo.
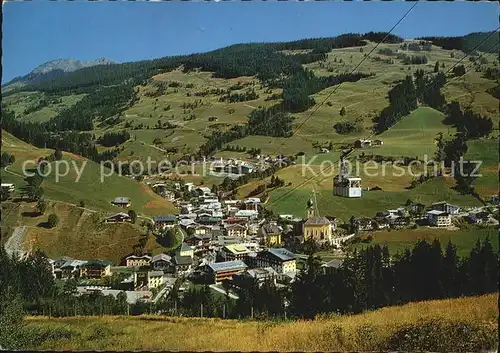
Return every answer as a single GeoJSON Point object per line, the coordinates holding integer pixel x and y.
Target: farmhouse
{"type": "Point", "coordinates": [220, 271]}
{"type": "Point", "coordinates": [362, 143]}
{"type": "Point", "coordinates": [165, 222]}
{"type": "Point", "coordinates": [438, 218]}
{"type": "Point", "coordinates": [417, 208]}
{"type": "Point", "coordinates": [182, 263]}
{"type": "Point", "coordinates": [332, 264]}
{"type": "Point", "coordinates": [252, 203]}
{"type": "Point", "coordinates": [161, 262]}
{"type": "Point", "coordinates": [445, 207]}
{"type": "Point", "coordinates": [121, 202]}
{"type": "Point", "coordinates": [380, 223]}
{"type": "Point", "coordinates": [280, 259]}
{"type": "Point", "coordinates": [95, 269]}
{"type": "Point", "coordinates": [138, 261]}
{"type": "Point", "coordinates": [118, 217]}
{"type": "Point", "coordinates": [67, 268]}
{"type": "Point", "coordinates": [363, 224]}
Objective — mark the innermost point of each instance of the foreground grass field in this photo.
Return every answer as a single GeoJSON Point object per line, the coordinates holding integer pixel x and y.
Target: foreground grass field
{"type": "Point", "coordinates": [465, 324]}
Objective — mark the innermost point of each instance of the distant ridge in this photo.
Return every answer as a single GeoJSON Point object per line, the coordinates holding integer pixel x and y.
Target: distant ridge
{"type": "Point", "coordinates": [55, 68]}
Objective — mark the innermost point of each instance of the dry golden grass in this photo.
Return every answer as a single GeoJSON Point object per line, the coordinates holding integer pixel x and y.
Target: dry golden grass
{"type": "Point", "coordinates": [368, 331]}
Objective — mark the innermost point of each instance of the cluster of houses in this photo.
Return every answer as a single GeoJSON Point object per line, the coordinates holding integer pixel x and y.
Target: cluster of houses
{"type": "Point", "coordinates": [228, 239]}
{"type": "Point", "coordinates": [439, 214]}
{"type": "Point", "coordinates": [68, 268]}
{"type": "Point", "coordinates": [222, 240]}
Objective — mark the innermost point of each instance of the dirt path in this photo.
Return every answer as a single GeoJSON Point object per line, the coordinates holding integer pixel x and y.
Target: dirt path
{"type": "Point", "coordinates": [13, 173]}
{"type": "Point", "coordinates": [15, 243]}
{"type": "Point", "coordinates": [153, 146]}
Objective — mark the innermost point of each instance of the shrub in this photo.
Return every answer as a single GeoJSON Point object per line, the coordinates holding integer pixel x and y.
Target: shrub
{"type": "Point", "coordinates": [53, 220]}
{"type": "Point", "coordinates": [441, 335]}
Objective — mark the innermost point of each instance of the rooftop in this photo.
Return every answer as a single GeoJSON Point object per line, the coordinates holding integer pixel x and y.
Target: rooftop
{"type": "Point", "coordinates": [138, 257]}
{"type": "Point", "coordinates": [317, 221]}
{"type": "Point", "coordinates": [282, 254]}
{"type": "Point", "coordinates": [121, 199]}
{"type": "Point", "coordinates": [164, 218]}
{"type": "Point", "coordinates": [163, 257]}
{"type": "Point", "coordinates": [185, 247]}
{"type": "Point", "coordinates": [119, 214]}
{"type": "Point", "coordinates": [155, 273]}
{"type": "Point", "coordinates": [227, 265]}
{"type": "Point", "coordinates": [237, 248]}
{"type": "Point", "coordinates": [271, 229]}
{"type": "Point", "coordinates": [335, 263]}
{"type": "Point", "coordinates": [437, 213]}
{"type": "Point", "coordinates": [235, 226]}
{"type": "Point", "coordinates": [183, 260]}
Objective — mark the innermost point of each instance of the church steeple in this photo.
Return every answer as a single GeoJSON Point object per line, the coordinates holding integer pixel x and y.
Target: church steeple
{"type": "Point", "coordinates": [310, 209]}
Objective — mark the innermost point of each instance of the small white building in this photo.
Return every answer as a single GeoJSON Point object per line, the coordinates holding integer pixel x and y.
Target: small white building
{"type": "Point", "coordinates": [344, 185]}
{"type": "Point", "coordinates": [438, 218]}
{"type": "Point", "coordinates": [7, 186]}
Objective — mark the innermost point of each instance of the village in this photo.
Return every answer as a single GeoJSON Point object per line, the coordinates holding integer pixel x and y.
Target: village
{"type": "Point", "coordinates": [220, 240]}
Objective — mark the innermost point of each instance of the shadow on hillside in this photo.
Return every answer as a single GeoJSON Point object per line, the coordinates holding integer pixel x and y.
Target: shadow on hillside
{"type": "Point", "coordinates": [45, 225]}
{"type": "Point", "coordinates": [30, 214]}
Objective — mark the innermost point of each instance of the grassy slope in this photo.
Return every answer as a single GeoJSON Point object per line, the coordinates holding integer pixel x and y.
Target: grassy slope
{"type": "Point", "coordinates": [485, 151]}
{"type": "Point", "coordinates": [464, 240]}
{"type": "Point", "coordinates": [89, 188]}
{"type": "Point", "coordinates": [19, 102]}
{"type": "Point", "coordinates": [80, 233]}
{"type": "Point", "coordinates": [367, 332]}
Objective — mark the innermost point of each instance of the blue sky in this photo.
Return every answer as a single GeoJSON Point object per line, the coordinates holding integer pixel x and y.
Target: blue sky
{"type": "Point", "coordinates": [38, 31]}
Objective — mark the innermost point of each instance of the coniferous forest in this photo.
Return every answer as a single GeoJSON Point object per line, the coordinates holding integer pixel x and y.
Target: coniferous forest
{"type": "Point", "coordinates": [367, 279]}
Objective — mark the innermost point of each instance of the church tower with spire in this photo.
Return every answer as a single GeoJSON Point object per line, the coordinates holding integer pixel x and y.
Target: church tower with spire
{"type": "Point", "coordinates": [310, 211]}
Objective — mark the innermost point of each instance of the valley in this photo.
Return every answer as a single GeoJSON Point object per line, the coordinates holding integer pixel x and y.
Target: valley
{"type": "Point", "coordinates": [316, 194]}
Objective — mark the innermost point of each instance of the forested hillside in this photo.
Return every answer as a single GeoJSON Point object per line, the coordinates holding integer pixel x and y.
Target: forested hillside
{"type": "Point", "coordinates": [289, 98]}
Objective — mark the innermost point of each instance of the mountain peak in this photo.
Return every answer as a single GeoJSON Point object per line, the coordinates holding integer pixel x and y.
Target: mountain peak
{"type": "Point", "coordinates": [68, 65]}
{"type": "Point", "coordinates": [57, 67]}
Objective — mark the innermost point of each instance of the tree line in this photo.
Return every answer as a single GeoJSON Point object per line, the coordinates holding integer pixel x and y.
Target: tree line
{"type": "Point", "coordinates": [41, 136]}
{"type": "Point", "coordinates": [263, 60]}
{"type": "Point", "coordinates": [466, 43]}
{"type": "Point", "coordinates": [110, 139]}
{"type": "Point", "coordinates": [368, 279]}
{"type": "Point", "coordinates": [301, 85]}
